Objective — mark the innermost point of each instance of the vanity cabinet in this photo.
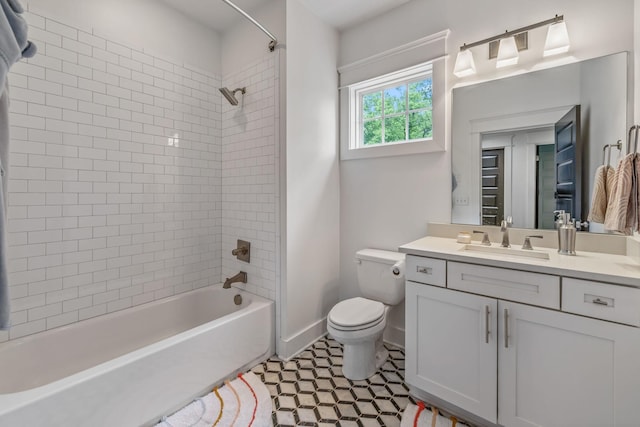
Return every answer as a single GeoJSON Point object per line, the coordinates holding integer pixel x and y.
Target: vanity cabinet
{"type": "Point", "coordinates": [451, 349]}
{"type": "Point", "coordinates": [558, 369]}
{"type": "Point", "coordinates": [524, 363]}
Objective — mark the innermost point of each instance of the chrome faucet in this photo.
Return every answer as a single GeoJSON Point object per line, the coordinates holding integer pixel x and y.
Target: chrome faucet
{"type": "Point", "coordinates": [240, 277]}
{"type": "Point", "coordinates": [504, 227]}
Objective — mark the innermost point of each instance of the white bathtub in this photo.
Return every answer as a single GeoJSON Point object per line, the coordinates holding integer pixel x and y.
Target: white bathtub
{"type": "Point", "coordinates": [130, 367]}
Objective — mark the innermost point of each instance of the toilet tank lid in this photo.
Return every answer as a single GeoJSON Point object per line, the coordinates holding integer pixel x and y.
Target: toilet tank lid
{"type": "Point", "coordinates": [379, 255]}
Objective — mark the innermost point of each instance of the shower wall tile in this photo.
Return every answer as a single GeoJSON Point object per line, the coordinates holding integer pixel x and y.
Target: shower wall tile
{"type": "Point", "coordinates": [249, 172]}
{"type": "Point", "coordinates": [115, 179]}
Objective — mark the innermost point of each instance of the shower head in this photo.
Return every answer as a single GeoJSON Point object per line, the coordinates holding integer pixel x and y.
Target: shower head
{"type": "Point", "coordinates": [231, 95]}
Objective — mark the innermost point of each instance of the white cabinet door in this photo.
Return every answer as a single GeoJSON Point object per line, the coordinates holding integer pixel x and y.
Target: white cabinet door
{"type": "Point", "coordinates": [451, 347]}
{"type": "Point", "coordinates": [558, 369]}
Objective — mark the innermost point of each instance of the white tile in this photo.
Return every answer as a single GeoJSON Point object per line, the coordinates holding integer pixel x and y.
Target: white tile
{"type": "Point", "coordinates": [27, 329]}
{"type": "Point", "coordinates": [76, 117]}
{"type": "Point", "coordinates": [93, 311]}
{"type": "Point", "coordinates": [63, 78]}
{"type": "Point", "coordinates": [92, 85]}
{"type": "Point", "coordinates": [77, 93]}
{"type": "Point", "coordinates": [108, 207]}
{"type": "Point", "coordinates": [62, 319]}
{"type": "Point", "coordinates": [62, 54]}
{"type": "Point", "coordinates": [118, 49]}
{"type": "Point", "coordinates": [61, 29]}
{"type": "Point", "coordinates": [76, 46]}
{"type": "Point", "coordinates": [104, 55]}
{"type": "Point", "coordinates": [92, 40]}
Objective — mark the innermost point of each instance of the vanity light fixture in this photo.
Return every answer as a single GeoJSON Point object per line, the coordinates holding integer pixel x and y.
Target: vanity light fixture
{"type": "Point", "coordinates": [507, 52]}
{"type": "Point", "coordinates": [511, 42]}
{"type": "Point", "coordinates": [557, 39]}
{"type": "Point", "coordinates": [465, 66]}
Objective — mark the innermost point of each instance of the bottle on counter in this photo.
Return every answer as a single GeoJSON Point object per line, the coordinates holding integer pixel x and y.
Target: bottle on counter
{"type": "Point", "coordinates": [566, 233]}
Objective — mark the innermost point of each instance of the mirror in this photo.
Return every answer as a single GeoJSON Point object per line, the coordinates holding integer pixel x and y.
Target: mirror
{"type": "Point", "coordinates": [508, 134]}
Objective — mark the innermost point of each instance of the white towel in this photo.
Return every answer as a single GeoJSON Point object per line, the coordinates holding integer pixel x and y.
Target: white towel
{"type": "Point", "coordinates": [602, 186]}
{"type": "Point", "coordinates": [426, 418]}
{"type": "Point", "coordinates": [234, 401]}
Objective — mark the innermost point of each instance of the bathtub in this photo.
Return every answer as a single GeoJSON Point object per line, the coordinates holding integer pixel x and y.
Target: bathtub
{"type": "Point", "coordinates": [130, 367]}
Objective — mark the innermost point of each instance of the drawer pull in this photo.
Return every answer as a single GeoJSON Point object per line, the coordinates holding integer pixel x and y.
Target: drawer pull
{"type": "Point", "coordinates": [600, 302]}
{"type": "Point", "coordinates": [487, 319]}
{"type": "Point", "coordinates": [506, 328]}
{"type": "Point", "coordinates": [424, 270]}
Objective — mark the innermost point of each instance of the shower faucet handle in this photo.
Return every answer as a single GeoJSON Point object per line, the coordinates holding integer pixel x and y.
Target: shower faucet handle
{"type": "Point", "coordinates": [242, 250]}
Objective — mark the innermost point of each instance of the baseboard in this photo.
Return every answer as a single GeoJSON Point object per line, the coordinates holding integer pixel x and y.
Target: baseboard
{"type": "Point", "coordinates": [291, 346]}
{"type": "Point", "coordinates": [394, 335]}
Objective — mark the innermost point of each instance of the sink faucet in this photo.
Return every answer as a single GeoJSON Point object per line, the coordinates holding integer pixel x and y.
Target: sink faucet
{"type": "Point", "coordinates": [504, 227]}
{"type": "Point", "coordinates": [240, 277]}
{"type": "Point", "coordinates": [485, 237]}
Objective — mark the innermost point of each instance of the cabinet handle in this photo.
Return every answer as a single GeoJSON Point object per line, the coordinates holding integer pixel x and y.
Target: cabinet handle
{"type": "Point", "coordinates": [487, 318]}
{"type": "Point", "coordinates": [599, 302]}
{"type": "Point", "coordinates": [424, 270]}
{"type": "Point", "coordinates": [506, 328]}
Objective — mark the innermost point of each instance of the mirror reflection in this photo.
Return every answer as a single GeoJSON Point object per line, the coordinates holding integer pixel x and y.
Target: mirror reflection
{"type": "Point", "coordinates": [527, 145]}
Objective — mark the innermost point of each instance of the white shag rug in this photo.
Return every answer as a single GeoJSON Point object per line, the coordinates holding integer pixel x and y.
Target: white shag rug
{"type": "Point", "coordinates": [243, 402]}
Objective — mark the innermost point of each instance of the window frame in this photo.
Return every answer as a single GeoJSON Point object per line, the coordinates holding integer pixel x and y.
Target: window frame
{"type": "Point", "coordinates": [363, 89]}
{"type": "Point", "coordinates": [354, 148]}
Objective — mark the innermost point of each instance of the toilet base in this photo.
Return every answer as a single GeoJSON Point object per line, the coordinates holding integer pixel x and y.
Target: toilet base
{"type": "Point", "coordinates": [363, 359]}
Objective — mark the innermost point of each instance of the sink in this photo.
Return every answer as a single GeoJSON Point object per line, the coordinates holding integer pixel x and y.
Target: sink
{"type": "Point", "coordinates": [499, 250]}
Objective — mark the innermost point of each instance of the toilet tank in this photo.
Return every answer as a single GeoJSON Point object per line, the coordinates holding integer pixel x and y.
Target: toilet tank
{"type": "Point", "coordinates": [381, 275]}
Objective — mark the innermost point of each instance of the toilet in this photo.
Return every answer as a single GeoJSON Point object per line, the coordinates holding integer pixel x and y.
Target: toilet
{"type": "Point", "coordinates": [358, 323]}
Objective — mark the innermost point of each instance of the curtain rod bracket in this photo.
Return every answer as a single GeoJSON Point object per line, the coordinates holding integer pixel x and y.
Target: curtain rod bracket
{"type": "Point", "coordinates": [274, 40]}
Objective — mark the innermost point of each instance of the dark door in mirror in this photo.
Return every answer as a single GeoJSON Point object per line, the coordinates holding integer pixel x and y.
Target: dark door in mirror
{"type": "Point", "coordinates": [545, 186]}
{"type": "Point", "coordinates": [492, 186]}
{"type": "Point", "coordinates": [568, 161]}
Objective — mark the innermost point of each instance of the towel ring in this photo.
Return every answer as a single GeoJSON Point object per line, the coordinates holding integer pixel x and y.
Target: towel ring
{"type": "Point", "coordinates": [606, 152]}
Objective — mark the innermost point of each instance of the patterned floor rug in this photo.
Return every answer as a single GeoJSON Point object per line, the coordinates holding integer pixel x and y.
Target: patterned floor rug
{"type": "Point", "coordinates": [243, 402]}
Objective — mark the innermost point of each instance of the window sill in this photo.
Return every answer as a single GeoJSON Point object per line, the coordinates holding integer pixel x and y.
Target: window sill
{"type": "Point", "coordinates": [403, 149]}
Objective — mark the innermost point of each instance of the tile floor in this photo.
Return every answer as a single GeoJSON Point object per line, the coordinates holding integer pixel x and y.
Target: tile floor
{"type": "Point", "coordinates": [310, 390]}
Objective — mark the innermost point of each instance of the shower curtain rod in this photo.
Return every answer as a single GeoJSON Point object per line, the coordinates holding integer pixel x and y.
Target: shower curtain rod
{"type": "Point", "coordinates": [274, 40]}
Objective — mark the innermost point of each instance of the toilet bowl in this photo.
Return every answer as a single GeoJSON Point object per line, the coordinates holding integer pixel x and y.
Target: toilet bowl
{"type": "Point", "coordinates": [358, 323]}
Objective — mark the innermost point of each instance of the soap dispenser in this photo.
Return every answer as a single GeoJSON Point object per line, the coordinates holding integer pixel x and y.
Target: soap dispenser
{"type": "Point", "coordinates": [566, 233]}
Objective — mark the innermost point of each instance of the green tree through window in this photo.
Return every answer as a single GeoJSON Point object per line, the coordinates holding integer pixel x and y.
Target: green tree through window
{"type": "Point", "coordinates": [398, 113]}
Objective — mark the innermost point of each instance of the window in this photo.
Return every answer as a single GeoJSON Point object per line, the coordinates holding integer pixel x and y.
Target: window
{"type": "Point", "coordinates": [396, 113]}
{"type": "Point", "coordinates": [393, 110]}
{"type": "Point", "coordinates": [389, 106]}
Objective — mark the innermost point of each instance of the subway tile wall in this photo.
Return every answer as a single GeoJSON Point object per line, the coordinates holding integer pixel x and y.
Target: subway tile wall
{"type": "Point", "coordinates": [131, 178]}
{"type": "Point", "coordinates": [250, 161]}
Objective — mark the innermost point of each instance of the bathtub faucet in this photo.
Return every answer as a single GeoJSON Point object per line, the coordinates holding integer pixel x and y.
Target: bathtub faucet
{"type": "Point", "coordinates": [240, 277]}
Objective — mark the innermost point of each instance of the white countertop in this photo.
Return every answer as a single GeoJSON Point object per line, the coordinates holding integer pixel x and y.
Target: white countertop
{"type": "Point", "coordinates": [601, 267]}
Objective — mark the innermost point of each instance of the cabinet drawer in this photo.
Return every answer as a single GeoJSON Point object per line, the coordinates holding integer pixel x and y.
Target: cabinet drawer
{"type": "Point", "coordinates": [531, 288]}
{"type": "Point", "coordinates": [426, 270]}
{"type": "Point", "coordinates": [602, 301]}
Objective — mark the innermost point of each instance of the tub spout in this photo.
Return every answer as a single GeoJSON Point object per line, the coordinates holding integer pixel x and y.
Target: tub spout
{"type": "Point", "coordinates": [240, 277]}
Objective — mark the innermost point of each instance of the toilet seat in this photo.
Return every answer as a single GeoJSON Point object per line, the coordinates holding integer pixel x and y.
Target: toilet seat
{"type": "Point", "coordinates": [356, 314]}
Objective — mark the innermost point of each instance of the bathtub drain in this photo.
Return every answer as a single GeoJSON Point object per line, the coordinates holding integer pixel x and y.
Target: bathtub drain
{"type": "Point", "coordinates": [237, 299]}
